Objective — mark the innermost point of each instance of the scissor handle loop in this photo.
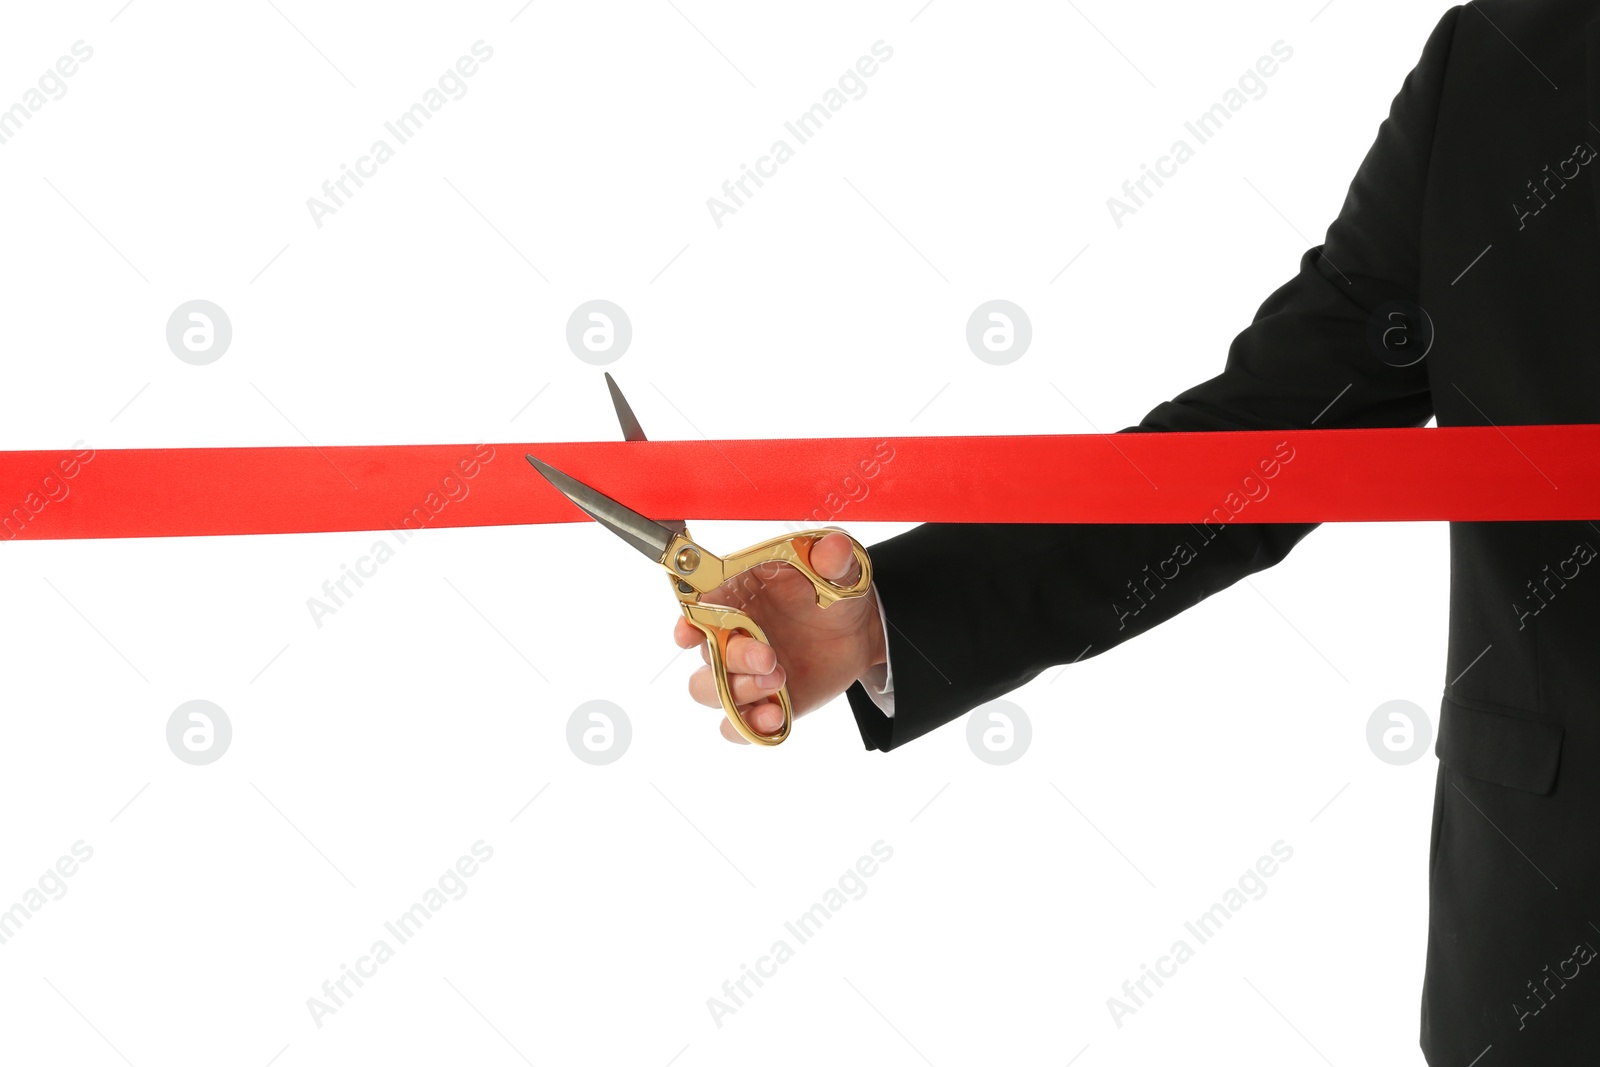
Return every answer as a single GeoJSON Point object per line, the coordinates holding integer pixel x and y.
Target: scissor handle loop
{"type": "Point", "coordinates": [795, 550]}
{"type": "Point", "coordinates": [719, 623]}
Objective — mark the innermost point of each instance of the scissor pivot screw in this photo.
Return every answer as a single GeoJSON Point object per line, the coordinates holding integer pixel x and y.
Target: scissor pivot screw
{"type": "Point", "coordinates": [686, 560]}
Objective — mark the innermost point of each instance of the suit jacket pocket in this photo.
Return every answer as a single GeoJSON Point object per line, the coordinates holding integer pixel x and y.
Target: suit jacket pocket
{"type": "Point", "coordinates": [1498, 745]}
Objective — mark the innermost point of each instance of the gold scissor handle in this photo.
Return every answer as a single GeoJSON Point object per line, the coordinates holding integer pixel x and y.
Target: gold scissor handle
{"type": "Point", "coordinates": [697, 571]}
{"type": "Point", "coordinates": [719, 625]}
{"type": "Point", "coordinates": [795, 550]}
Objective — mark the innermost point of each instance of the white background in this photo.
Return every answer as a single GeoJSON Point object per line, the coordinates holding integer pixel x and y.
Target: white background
{"type": "Point", "coordinates": [368, 754]}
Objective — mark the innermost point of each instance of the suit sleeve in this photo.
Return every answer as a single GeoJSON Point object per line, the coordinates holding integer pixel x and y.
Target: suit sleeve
{"type": "Point", "coordinates": [1032, 596]}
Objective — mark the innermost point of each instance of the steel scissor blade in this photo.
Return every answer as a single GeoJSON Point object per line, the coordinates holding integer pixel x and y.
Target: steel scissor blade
{"type": "Point", "coordinates": [631, 430]}
{"type": "Point", "coordinates": [646, 535]}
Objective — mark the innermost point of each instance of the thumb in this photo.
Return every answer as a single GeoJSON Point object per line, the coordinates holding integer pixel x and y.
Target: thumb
{"type": "Point", "coordinates": [834, 558]}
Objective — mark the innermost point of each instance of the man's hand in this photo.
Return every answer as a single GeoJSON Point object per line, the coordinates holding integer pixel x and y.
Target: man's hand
{"type": "Point", "coordinates": [818, 652]}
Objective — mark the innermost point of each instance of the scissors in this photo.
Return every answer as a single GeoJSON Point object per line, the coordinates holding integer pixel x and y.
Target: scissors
{"type": "Point", "coordinates": [694, 570]}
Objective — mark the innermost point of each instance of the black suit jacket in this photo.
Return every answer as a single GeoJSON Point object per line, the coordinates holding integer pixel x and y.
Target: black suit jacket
{"type": "Point", "coordinates": [1478, 202]}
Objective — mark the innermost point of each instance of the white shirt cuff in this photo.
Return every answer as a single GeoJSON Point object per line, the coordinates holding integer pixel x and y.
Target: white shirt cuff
{"type": "Point", "coordinates": [879, 680]}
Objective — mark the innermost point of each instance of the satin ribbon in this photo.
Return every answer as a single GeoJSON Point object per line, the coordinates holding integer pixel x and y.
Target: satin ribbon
{"type": "Point", "coordinates": [1475, 473]}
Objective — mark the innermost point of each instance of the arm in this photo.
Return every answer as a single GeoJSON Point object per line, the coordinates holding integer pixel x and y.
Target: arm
{"type": "Point", "coordinates": [1082, 589]}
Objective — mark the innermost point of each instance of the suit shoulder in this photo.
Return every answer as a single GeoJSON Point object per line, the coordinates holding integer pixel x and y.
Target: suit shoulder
{"type": "Point", "coordinates": [1520, 49]}
{"type": "Point", "coordinates": [1506, 19]}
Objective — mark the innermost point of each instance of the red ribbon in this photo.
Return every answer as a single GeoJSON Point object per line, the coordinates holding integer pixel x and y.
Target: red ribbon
{"type": "Point", "coordinates": [1471, 473]}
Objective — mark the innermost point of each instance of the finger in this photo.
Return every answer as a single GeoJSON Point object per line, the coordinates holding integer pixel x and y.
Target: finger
{"type": "Point", "coordinates": [765, 719]}
{"type": "Point", "coordinates": [686, 636]}
{"type": "Point", "coordinates": [746, 655]}
{"type": "Point", "coordinates": [746, 688]}
{"type": "Point", "coordinates": [834, 558]}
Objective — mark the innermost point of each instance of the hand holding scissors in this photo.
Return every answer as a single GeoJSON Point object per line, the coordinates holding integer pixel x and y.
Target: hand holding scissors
{"type": "Point", "coordinates": [695, 571]}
